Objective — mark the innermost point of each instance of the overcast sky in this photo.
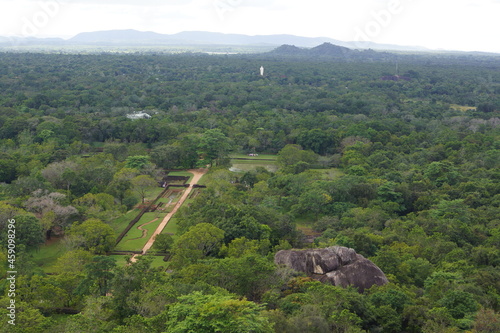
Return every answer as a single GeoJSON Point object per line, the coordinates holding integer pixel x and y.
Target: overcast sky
{"type": "Point", "coordinates": [470, 25]}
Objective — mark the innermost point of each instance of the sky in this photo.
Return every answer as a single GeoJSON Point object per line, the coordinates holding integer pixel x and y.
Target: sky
{"type": "Point", "coordinates": [466, 25]}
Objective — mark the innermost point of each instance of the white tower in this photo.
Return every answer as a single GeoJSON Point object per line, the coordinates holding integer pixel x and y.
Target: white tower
{"type": "Point", "coordinates": [261, 70]}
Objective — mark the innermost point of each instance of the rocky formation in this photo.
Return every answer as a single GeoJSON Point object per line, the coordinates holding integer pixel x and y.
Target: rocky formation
{"type": "Point", "coordinates": [337, 265]}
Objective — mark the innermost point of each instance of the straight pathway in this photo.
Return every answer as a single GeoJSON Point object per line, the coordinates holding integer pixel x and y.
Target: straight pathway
{"type": "Point", "coordinates": [198, 173]}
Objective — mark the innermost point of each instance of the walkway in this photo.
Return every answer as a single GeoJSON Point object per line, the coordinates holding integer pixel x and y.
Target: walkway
{"type": "Point", "coordinates": [198, 173]}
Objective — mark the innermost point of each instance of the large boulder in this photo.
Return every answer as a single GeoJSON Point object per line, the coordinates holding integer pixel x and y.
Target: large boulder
{"type": "Point", "coordinates": [337, 265]}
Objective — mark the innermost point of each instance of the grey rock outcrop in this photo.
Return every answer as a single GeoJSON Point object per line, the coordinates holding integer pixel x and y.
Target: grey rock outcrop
{"type": "Point", "coordinates": [337, 265]}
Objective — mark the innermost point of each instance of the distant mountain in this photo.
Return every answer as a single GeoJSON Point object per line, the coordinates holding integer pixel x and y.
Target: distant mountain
{"type": "Point", "coordinates": [23, 41]}
{"type": "Point", "coordinates": [202, 39]}
{"type": "Point", "coordinates": [117, 37]}
{"type": "Point", "coordinates": [134, 37]}
{"type": "Point", "coordinates": [129, 37]}
{"type": "Point", "coordinates": [330, 51]}
{"type": "Point", "coordinates": [289, 50]}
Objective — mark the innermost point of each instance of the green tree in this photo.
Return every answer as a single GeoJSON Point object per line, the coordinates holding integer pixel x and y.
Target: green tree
{"type": "Point", "coordinates": [142, 184]}
{"type": "Point", "coordinates": [98, 276]}
{"type": "Point", "coordinates": [43, 293]}
{"type": "Point", "coordinates": [118, 150]}
{"type": "Point", "coordinates": [442, 173]}
{"type": "Point", "coordinates": [459, 303]}
{"type": "Point", "coordinates": [73, 261]}
{"type": "Point", "coordinates": [198, 242]}
{"type": "Point", "coordinates": [128, 282]}
{"type": "Point", "coordinates": [92, 235]}
{"type": "Point", "coordinates": [249, 275]}
{"type": "Point", "coordinates": [293, 159]}
{"type": "Point", "coordinates": [215, 146]}
{"type": "Point", "coordinates": [240, 247]}
{"type": "Point", "coordinates": [121, 183]}
{"type": "Point", "coordinates": [136, 162]}
{"type": "Point", "coordinates": [316, 140]}
{"type": "Point", "coordinates": [8, 171]}
{"type": "Point", "coordinates": [96, 317]}
{"type": "Point", "coordinates": [163, 242]}
{"type": "Point", "coordinates": [28, 319]}
{"type": "Point", "coordinates": [216, 313]}
{"type": "Point", "coordinates": [28, 231]}
{"type": "Point", "coordinates": [314, 200]}
{"type": "Point", "coordinates": [167, 156]}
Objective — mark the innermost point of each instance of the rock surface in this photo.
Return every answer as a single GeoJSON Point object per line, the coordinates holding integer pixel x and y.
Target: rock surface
{"type": "Point", "coordinates": [337, 265]}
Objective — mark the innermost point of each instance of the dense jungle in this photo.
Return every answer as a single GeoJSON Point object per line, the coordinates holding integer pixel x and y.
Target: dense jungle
{"type": "Point", "coordinates": [395, 156]}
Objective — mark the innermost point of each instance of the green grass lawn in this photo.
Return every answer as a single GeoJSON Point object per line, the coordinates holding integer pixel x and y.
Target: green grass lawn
{"type": "Point", "coordinates": [203, 180]}
{"type": "Point", "coordinates": [462, 108]}
{"type": "Point", "coordinates": [182, 174]}
{"type": "Point", "coordinates": [153, 193]}
{"type": "Point", "coordinates": [244, 165]}
{"type": "Point", "coordinates": [260, 157]}
{"type": "Point", "coordinates": [46, 256]}
{"type": "Point", "coordinates": [132, 240]}
{"type": "Point", "coordinates": [171, 228]}
{"type": "Point", "coordinates": [121, 260]}
{"type": "Point", "coordinates": [158, 262]}
{"type": "Point", "coordinates": [122, 222]}
{"type": "Point", "coordinates": [131, 244]}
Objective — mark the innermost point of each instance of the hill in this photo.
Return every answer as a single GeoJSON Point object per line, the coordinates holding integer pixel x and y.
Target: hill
{"type": "Point", "coordinates": [330, 51]}
{"type": "Point", "coordinates": [118, 37]}
{"type": "Point", "coordinates": [194, 38]}
{"type": "Point", "coordinates": [132, 37]}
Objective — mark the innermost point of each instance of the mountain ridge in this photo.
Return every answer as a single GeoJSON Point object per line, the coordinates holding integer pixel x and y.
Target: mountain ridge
{"type": "Point", "coordinates": [202, 40]}
{"type": "Point", "coordinates": [131, 37]}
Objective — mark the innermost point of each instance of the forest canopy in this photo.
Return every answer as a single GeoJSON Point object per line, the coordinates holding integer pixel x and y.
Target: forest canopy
{"type": "Point", "coordinates": [404, 171]}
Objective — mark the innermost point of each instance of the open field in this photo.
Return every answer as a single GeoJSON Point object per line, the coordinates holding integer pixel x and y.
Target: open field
{"type": "Point", "coordinates": [46, 256]}
{"type": "Point", "coordinates": [462, 108]}
{"type": "Point", "coordinates": [244, 165]}
{"type": "Point", "coordinates": [259, 157]}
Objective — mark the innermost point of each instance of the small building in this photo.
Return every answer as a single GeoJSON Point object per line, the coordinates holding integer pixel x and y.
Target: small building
{"type": "Point", "coordinates": [138, 115]}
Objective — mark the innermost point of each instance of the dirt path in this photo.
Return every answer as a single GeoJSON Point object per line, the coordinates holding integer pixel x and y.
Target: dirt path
{"type": "Point", "coordinates": [198, 173]}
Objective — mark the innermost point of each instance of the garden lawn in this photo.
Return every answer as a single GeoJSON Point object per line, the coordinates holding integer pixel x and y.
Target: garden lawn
{"type": "Point", "coordinates": [121, 259]}
{"type": "Point", "coordinates": [133, 240]}
{"type": "Point", "coordinates": [182, 174]}
{"type": "Point", "coordinates": [171, 228]}
{"type": "Point", "coordinates": [122, 222]}
{"type": "Point", "coordinates": [46, 256]}
{"type": "Point", "coordinates": [158, 262]}
{"type": "Point", "coordinates": [260, 157]}
{"type": "Point", "coordinates": [248, 165]}
{"type": "Point", "coordinates": [153, 193]}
